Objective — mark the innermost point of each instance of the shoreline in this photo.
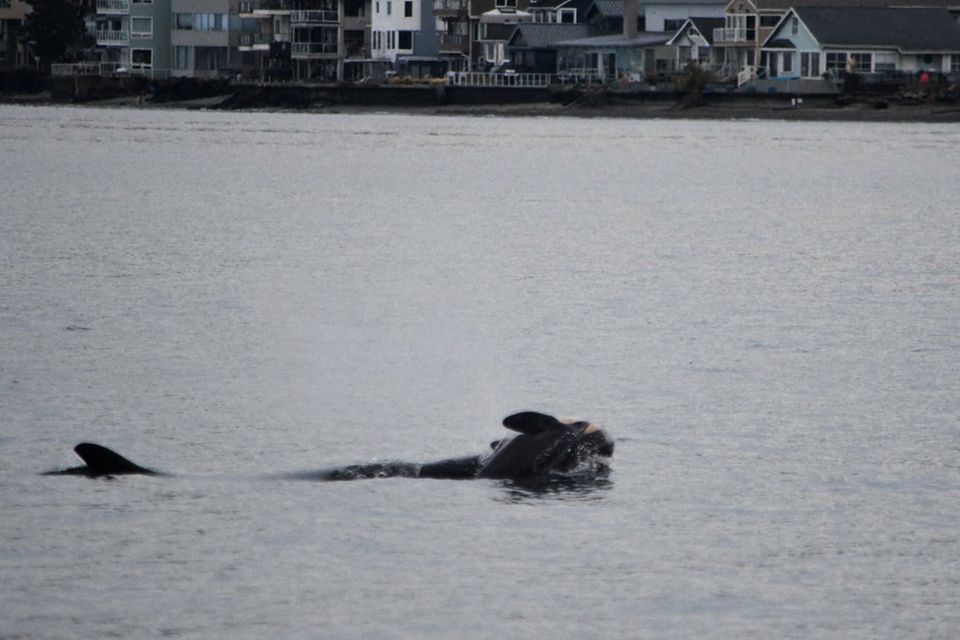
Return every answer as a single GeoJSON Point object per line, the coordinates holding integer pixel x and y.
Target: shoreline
{"type": "Point", "coordinates": [864, 109]}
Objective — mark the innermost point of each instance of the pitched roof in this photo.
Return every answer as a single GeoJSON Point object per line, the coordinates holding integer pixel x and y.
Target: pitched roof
{"type": "Point", "coordinates": [904, 29]}
{"type": "Point", "coordinates": [547, 4]}
{"type": "Point", "coordinates": [611, 8]}
{"type": "Point", "coordinates": [706, 26]}
{"type": "Point", "coordinates": [647, 39]}
{"type": "Point", "coordinates": [783, 5]}
{"type": "Point", "coordinates": [543, 35]}
{"type": "Point", "coordinates": [498, 31]}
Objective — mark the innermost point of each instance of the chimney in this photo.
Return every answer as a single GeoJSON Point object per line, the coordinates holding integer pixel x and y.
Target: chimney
{"type": "Point", "coordinates": [629, 18]}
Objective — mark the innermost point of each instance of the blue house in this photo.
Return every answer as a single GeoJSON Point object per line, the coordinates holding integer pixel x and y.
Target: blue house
{"type": "Point", "coordinates": [809, 42]}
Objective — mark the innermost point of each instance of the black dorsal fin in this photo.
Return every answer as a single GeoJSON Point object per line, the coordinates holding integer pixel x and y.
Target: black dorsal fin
{"type": "Point", "coordinates": [531, 422]}
{"type": "Point", "coordinates": [103, 461]}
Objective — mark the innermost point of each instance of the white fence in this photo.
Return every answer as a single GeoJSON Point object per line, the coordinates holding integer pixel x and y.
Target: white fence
{"type": "Point", "coordinates": [105, 69]}
{"type": "Point", "coordinates": [477, 79]}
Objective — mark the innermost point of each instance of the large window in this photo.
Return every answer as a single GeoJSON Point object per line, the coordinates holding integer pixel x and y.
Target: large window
{"type": "Point", "coordinates": [210, 21]}
{"type": "Point", "coordinates": [200, 21]}
{"type": "Point", "coordinates": [405, 40]}
{"type": "Point", "coordinates": [141, 27]}
{"type": "Point", "coordinates": [181, 58]}
{"type": "Point", "coordinates": [862, 62]}
{"type": "Point", "coordinates": [141, 58]}
{"type": "Point", "coordinates": [809, 64]}
{"type": "Point", "coordinates": [407, 9]}
{"type": "Point", "coordinates": [836, 61]}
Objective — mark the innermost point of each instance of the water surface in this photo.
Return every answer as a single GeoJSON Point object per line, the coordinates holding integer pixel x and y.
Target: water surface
{"type": "Point", "coordinates": [764, 314]}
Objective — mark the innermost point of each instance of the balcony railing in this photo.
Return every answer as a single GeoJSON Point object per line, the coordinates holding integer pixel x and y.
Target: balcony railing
{"type": "Point", "coordinates": [449, 7]}
{"type": "Point", "coordinates": [113, 7]}
{"type": "Point", "coordinates": [454, 42]}
{"type": "Point", "coordinates": [314, 17]}
{"type": "Point", "coordinates": [312, 49]}
{"type": "Point", "coordinates": [254, 39]}
{"type": "Point", "coordinates": [113, 38]}
{"type": "Point", "coordinates": [731, 36]}
{"type": "Point", "coordinates": [519, 80]}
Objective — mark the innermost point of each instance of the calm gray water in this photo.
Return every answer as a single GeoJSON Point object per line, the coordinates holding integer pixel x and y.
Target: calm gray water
{"type": "Point", "coordinates": [766, 315]}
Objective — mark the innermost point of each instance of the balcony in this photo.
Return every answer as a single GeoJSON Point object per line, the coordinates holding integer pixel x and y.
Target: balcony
{"type": "Point", "coordinates": [454, 43]}
{"type": "Point", "coordinates": [450, 8]}
{"type": "Point", "coordinates": [253, 42]}
{"type": "Point", "coordinates": [314, 17]}
{"type": "Point", "coordinates": [310, 50]}
{"type": "Point", "coordinates": [107, 38]}
{"type": "Point", "coordinates": [734, 36]}
{"type": "Point", "coordinates": [113, 7]}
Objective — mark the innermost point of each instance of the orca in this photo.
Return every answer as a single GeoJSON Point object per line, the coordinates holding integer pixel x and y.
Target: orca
{"type": "Point", "coordinates": [101, 461]}
{"type": "Point", "coordinates": [543, 447]}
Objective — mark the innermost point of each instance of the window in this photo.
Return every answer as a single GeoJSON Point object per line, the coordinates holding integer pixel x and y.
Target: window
{"type": "Point", "coordinates": [407, 9]}
{"type": "Point", "coordinates": [795, 25]}
{"type": "Point", "coordinates": [786, 62]}
{"type": "Point", "coordinates": [809, 64]}
{"type": "Point", "coordinates": [506, 4]}
{"type": "Point", "coordinates": [862, 62]}
{"type": "Point", "coordinates": [377, 7]}
{"type": "Point", "coordinates": [836, 61]}
{"type": "Point", "coordinates": [141, 27]}
{"type": "Point", "coordinates": [210, 21]}
{"type": "Point", "coordinates": [141, 58]}
{"type": "Point", "coordinates": [568, 16]}
{"type": "Point", "coordinates": [954, 64]}
{"type": "Point", "coordinates": [769, 21]}
{"type": "Point", "coordinates": [142, 1]}
{"type": "Point", "coordinates": [673, 25]}
{"type": "Point", "coordinates": [405, 40]}
{"type": "Point", "coordinates": [183, 21]}
{"type": "Point", "coordinates": [389, 7]}
{"type": "Point", "coordinates": [181, 58]}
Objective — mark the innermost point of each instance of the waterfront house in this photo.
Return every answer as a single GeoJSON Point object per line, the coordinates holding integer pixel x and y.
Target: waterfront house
{"type": "Point", "coordinates": [670, 15]}
{"type": "Point", "coordinates": [404, 29]}
{"type": "Point", "coordinates": [12, 15]}
{"type": "Point", "coordinates": [693, 42]}
{"type": "Point", "coordinates": [748, 24]}
{"type": "Point", "coordinates": [560, 11]}
{"type": "Point", "coordinates": [307, 40]}
{"type": "Point", "coordinates": [811, 41]}
{"type": "Point", "coordinates": [135, 36]}
{"type": "Point", "coordinates": [533, 46]}
{"type": "Point", "coordinates": [611, 58]}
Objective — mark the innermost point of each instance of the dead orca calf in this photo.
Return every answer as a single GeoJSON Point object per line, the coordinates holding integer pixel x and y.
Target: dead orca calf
{"type": "Point", "coordinates": [544, 446]}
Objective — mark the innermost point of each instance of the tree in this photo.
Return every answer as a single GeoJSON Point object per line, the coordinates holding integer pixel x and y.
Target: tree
{"type": "Point", "coordinates": [53, 28]}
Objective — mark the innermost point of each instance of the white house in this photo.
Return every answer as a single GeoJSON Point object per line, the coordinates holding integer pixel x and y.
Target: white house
{"type": "Point", "coordinates": [403, 29]}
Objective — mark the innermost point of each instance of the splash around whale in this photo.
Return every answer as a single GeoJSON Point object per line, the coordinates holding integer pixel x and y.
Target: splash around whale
{"type": "Point", "coordinates": [543, 446]}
